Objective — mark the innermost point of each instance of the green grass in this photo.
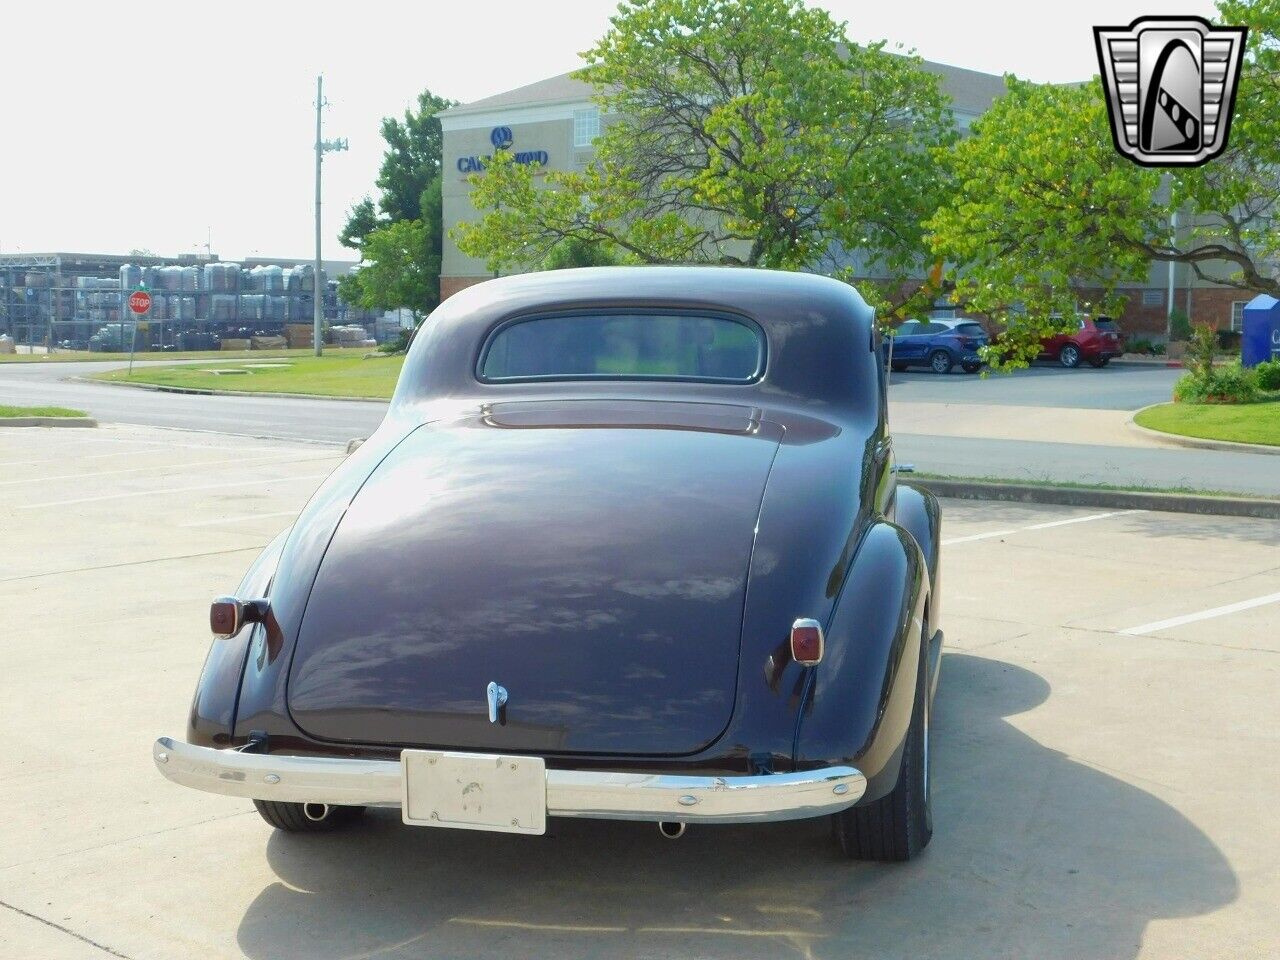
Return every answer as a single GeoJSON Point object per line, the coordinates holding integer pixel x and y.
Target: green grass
{"type": "Point", "coordinates": [330, 375]}
{"type": "Point", "coordinates": [1241, 423]}
{"type": "Point", "coordinates": [1076, 485]}
{"type": "Point", "coordinates": [9, 412]}
{"type": "Point", "coordinates": [84, 356]}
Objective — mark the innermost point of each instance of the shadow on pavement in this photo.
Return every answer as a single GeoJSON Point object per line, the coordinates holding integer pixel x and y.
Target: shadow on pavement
{"type": "Point", "coordinates": [1035, 855]}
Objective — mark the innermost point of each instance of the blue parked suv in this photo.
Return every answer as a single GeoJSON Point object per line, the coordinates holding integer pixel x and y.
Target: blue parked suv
{"type": "Point", "coordinates": [939, 345]}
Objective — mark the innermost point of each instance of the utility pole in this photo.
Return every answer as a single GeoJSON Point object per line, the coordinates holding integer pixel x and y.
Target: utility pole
{"type": "Point", "coordinates": [1169, 308]}
{"type": "Point", "coordinates": [322, 147]}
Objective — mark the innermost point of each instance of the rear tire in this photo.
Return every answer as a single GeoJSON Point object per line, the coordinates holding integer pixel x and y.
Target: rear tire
{"type": "Point", "coordinates": [971, 367]}
{"type": "Point", "coordinates": [898, 367]}
{"type": "Point", "coordinates": [1099, 362]}
{"type": "Point", "coordinates": [900, 824]}
{"type": "Point", "coordinates": [292, 817]}
{"type": "Point", "coordinates": [1069, 356]}
{"type": "Point", "coordinates": [940, 361]}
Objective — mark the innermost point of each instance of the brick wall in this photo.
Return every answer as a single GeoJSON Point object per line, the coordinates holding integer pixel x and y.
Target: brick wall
{"type": "Point", "coordinates": [1208, 305]}
{"type": "Point", "coordinates": [451, 285]}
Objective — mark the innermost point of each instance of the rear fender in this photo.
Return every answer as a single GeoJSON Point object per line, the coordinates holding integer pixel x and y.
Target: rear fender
{"type": "Point", "coordinates": [213, 708]}
{"type": "Point", "coordinates": [864, 689]}
{"type": "Point", "coordinates": [917, 512]}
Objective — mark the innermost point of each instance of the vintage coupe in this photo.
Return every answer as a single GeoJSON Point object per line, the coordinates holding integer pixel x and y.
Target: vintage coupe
{"type": "Point", "coordinates": [629, 544]}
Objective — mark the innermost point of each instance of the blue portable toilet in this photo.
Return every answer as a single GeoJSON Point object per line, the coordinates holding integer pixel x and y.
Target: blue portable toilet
{"type": "Point", "coordinates": [1260, 336]}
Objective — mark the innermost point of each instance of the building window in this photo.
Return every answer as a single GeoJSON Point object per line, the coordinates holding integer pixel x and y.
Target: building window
{"type": "Point", "coordinates": [1237, 314]}
{"type": "Point", "coordinates": [586, 126]}
{"type": "Point", "coordinates": [1152, 298]}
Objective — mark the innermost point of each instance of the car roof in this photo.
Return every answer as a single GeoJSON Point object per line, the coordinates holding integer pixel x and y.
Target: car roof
{"type": "Point", "coordinates": [819, 331]}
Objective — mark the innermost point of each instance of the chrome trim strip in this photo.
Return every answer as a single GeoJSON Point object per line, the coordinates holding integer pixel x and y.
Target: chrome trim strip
{"type": "Point", "coordinates": [570, 793]}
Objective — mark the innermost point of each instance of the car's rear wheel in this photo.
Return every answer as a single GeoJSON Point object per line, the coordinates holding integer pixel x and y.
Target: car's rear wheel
{"type": "Point", "coordinates": [940, 361]}
{"type": "Point", "coordinates": [1069, 356]}
{"type": "Point", "coordinates": [900, 824]}
{"type": "Point", "coordinates": [307, 817]}
{"type": "Point", "coordinates": [1099, 362]}
{"type": "Point", "coordinates": [899, 367]}
{"type": "Point", "coordinates": [971, 367]}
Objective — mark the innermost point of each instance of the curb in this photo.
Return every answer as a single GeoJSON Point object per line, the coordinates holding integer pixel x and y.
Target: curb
{"type": "Point", "coordinates": [1199, 443]}
{"type": "Point", "coordinates": [197, 391]}
{"type": "Point", "coordinates": [48, 422]}
{"type": "Point", "coordinates": [1085, 497]}
{"type": "Point", "coordinates": [1157, 363]}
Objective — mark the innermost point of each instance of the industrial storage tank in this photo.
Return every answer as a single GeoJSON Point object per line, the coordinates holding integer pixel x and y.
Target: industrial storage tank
{"type": "Point", "coordinates": [272, 279]}
{"type": "Point", "coordinates": [222, 277]}
{"type": "Point", "coordinates": [222, 307]}
{"type": "Point", "coordinates": [252, 306]}
{"type": "Point", "coordinates": [190, 279]}
{"type": "Point", "coordinates": [130, 276]}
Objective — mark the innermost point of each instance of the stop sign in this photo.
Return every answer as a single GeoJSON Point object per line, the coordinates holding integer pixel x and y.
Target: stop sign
{"type": "Point", "coordinates": [139, 302]}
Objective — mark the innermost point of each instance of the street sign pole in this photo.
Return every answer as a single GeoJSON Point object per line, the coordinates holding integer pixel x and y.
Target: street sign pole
{"type": "Point", "coordinates": [139, 305]}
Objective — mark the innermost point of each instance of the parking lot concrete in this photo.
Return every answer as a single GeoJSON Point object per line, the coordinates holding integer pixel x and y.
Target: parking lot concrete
{"type": "Point", "coordinates": [1104, 757]}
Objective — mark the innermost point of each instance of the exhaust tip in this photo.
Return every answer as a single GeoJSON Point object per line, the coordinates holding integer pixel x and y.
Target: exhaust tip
{"type": "Point", "coordinates": [315, 812]}
{"type": "Point", "coordinates": [671, 830]}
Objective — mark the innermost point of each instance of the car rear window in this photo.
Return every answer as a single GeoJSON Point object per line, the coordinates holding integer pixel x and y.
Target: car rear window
{"type": "Point", "coordinates": [1105, 323]}
{"type": "Point", "coordinates": [625, 346]}
{"type": "Point", "coordinates": [971, 330]}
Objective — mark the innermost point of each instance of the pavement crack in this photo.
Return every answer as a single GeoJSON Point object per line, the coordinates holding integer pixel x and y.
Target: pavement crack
{"type": "Point", "coordinates": [131, 563]}
{"type": "Point", "coordinates": [67, 930]}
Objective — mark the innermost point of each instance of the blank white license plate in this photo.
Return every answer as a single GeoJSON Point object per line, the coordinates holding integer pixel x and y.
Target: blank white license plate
{"type": "Point", "coordinates": [474, 791]}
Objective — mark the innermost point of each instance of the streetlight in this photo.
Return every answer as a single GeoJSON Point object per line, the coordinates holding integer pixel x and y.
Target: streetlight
{"type": "Point", "coordinates": [322, 147]}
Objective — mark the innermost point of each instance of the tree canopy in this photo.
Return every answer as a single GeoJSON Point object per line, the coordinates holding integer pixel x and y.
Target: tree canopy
{"type": "Point", "coordinates": [400, 239]}
{"type": "Point", "coordinates": [1046, 217]}
{"type": "Point", "coordinates": [745, 132]}
{"type": "Point", "coordinates": [400, 263]}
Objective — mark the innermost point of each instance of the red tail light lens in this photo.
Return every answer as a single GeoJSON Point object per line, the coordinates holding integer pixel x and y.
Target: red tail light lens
{"type": "Point", "coordinates": [226, 616]}
{"type": "Point", "coordinates": [806, 642]}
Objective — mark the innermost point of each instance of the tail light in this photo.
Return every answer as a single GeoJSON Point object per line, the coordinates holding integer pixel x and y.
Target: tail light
{"type": "Point", "coordinates": [228, 614]}
{"type": "Point", "coordinates": [806, 642]}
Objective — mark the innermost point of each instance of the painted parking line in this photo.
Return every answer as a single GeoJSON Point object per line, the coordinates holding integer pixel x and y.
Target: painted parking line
{"type": "Point", "coordinates": [1038, 526]}
{"type": "Point", "coordinates": [247, 516]}
{"type": "Point", "coordinates": [1202, 615]}
{"type": "Point", "coordinates": [167, 490]}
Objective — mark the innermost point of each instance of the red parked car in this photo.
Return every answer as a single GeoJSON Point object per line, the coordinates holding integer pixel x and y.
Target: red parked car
{"type": "Point", "coordinates": [1096, 342]}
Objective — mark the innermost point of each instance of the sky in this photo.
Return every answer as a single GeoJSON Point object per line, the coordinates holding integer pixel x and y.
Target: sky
{"type": "Point", "coordinates": [160, 125]}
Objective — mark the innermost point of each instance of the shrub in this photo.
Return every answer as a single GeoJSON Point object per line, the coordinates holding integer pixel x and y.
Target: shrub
{"type": "Point", "coordinates": [1158, 349]}
{"type": "Point", "coordinates": [1267, 374]}
{"type": "Point", "coordinates": [1179, 325]}
{"type": "Point", "coordinates": [1201, 350]}
{"type": "Point", "coordinates": [1229, 383]}
{"type": "Point", "coordinates": [1229, 340]}
{"type": "Point", "coordinates": [1141, 346]}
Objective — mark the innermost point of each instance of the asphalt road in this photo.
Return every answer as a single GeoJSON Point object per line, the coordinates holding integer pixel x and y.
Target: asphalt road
{"type": "Point", "coordinates": [1044, 385]}
{"type": "Point", "coordinates": [1114, 388]}
{"type": "Point", "coordinates": [324, 421]}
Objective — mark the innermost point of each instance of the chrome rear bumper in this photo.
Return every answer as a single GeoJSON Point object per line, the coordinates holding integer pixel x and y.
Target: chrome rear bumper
{"type": "Point", "coordinates": [570, 793]}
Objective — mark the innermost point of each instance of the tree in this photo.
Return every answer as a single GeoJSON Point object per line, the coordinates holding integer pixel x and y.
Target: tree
{"type": "Point", "coordinates": [1046, 216]}
{"type": "Point", "coordinates": [578, 253]}
{"type": "Point", "coordinates": [412, 160]}
{"type": "Point", "coordinates": [744, 132]}
{"type": "Point", "coordinates": [401, 263]}
{"type": "Point", "coordinates": [400, 239]}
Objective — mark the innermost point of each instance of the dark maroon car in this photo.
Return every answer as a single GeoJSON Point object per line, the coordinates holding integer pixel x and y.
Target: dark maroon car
{"type": "Point", "coordinates": [1096, 341]}
{"type": "Point", "coordinates": [629, 544]}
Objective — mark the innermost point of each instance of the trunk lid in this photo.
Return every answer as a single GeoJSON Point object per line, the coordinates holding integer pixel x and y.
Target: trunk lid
{"type": "Point", "coordinates": [590, 557]}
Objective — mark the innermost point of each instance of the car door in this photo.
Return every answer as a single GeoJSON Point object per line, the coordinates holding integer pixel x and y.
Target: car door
{"type": "Point", "coordinates": [908, 345]}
